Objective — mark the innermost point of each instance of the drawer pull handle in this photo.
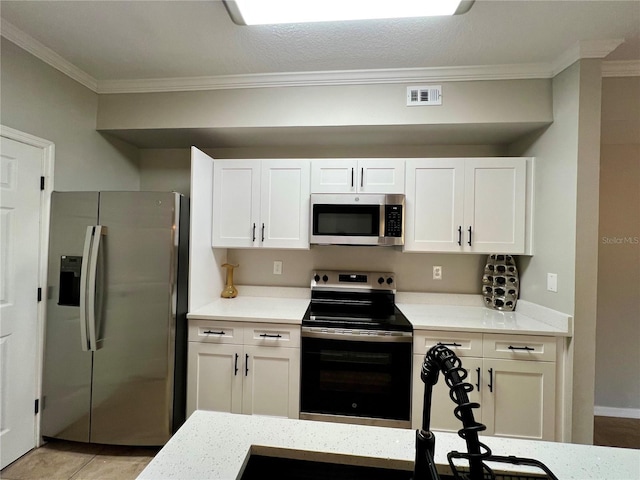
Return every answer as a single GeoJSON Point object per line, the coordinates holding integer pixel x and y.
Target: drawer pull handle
{"type": "Point", "coordinates": [211, 332]}
{"type": "Point", "coordinates": [478, 384]}
{"type": "Point", "coordinates": [267, 335]}
{"type": "Point", "coordinates": [526, 348]}
{"type": "Point", "coordinates": [454, 344]}
{"type": "Point", "coordinates": [491, 379]}
{"type": "Point", "coordinates": [235, 373]}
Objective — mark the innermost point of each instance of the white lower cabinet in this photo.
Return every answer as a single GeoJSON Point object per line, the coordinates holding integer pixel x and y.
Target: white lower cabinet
{"type": "Point", "coordinates": [244, 368]}
{"type": "Point", "coordinates": [513, 379]}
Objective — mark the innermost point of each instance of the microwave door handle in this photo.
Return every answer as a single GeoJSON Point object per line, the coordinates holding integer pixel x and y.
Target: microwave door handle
{"type": "Point", "coordinates": [351, 177]}
{"type": "Point", "coordinates": [84, 277]}
{"type": "Point", "coordinates": [362, 177]}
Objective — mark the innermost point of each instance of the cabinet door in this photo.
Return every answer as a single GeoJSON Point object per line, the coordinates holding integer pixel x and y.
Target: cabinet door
{"type": "Point", "coordinates": [442, 416]}
{"type": "Point", "coordinates": [214, 377]}
{"type": "Point", "coordinates": [435, 205]}
{"type": "Point", "coordinates": [495, 197]}
{"type": "Point", "coordinates": [236, 203]}
{"type": "Point", "coordinates": [272, 381]}
{"type": "Point", "coordinates": [334, 175]}
{"type": "Point", "coordinates": [519, 399]}
{"type": "Point", "coordinates": [284, 192]}
{"type": "Point", "coordinates": [380, 175]}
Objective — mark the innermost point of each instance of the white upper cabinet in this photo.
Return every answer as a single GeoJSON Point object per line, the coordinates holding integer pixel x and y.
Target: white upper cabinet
{"type": "Point", "coordinates": [475, 205]}
{"type": "Point", "coordinates": [363, 175]}
{"type": "Point", "coordinates": [261, 203]}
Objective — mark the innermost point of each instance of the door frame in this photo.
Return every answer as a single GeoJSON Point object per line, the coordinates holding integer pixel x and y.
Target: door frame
{"type": "Point", "coordinates": [46, 171]}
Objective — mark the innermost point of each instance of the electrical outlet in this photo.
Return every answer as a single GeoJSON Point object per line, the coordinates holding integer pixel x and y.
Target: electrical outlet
{"type": "Point", "coordinates": [277, 267]}
{"type": "Point", "coordinates": [437, 273]}
{"type": "Point", "coordinates": [552, 282]}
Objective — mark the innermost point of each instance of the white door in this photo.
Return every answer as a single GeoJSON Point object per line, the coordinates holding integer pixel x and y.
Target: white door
{"type": "Point", "coordinates": [435, 205]}
{"type": "Point", "coordinates": [20, 217]}
{"type": "Point", "coordinates": [284, 205]}
{"type": "Point", "coordinates": [214, 378]}
{"type": "Point", "coordinates": [380, 175]}
{"type": "Point", "coordinates": [495, 197]}
{"type": "Point", "coordinates": [236, 203]}
{"type": "Point", "coordinates": [518, 399]}
{"type": "Point", "coordinates": [334, 175]}
{"type": "Point", "coordinates": [272, 381]}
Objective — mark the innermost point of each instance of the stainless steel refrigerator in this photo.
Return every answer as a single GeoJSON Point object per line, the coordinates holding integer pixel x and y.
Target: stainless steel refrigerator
{"type": "Point", "coordinates": [116, 331]}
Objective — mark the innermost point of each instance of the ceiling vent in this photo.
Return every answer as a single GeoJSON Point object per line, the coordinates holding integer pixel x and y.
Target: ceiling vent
{"type": "Point", "coordinates": [425, 95]}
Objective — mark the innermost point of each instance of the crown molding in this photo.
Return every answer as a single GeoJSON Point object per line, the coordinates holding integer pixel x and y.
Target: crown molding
{"type": "Point", "coordinates": [344, 77]}
{"type": "Point", "coordinates": [584, 49]}
{"type": "Point", "coordinates": [621, 68]}
{"type": "Point", "coordinates": [44, 53]}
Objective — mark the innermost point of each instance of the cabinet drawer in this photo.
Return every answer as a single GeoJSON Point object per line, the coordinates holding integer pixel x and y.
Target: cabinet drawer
{"type": "Point", "coordinates": [463, 344]}
{"type": "Point", "coordinates": [520, 347]}
{"type": "Point", "coordinates": [211, 331]}
{"type": "Point", "coordinates": [272, 335]}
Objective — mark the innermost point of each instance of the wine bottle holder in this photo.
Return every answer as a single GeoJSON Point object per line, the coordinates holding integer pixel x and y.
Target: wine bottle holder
{"type": "Point", "coordinates": [500, 282]}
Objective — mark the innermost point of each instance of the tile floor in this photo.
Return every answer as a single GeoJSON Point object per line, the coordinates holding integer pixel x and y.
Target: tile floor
{"type": "Point", "coordinates": [60, 460]}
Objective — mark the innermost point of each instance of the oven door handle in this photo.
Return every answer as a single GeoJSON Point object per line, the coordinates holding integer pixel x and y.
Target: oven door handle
{"type": "Point", "coordinates": [405, 337]}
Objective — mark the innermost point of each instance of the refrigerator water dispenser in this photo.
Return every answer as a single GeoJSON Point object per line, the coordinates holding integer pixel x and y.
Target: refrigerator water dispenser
{"type": "Point", "coordinates": [70, 267]}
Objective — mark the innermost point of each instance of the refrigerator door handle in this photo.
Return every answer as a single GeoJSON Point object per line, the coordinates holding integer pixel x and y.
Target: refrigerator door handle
{"type": "Point", "coordinates": [98, 232]}
{"type": "Point", "coordinates": [84, 275]}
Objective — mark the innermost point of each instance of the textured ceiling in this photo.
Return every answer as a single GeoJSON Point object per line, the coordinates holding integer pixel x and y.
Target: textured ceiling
{"type": "Point", "coordinates": [112, 40]}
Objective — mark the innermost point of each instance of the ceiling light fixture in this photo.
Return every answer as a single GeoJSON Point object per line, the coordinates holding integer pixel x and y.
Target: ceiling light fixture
{"type": "Point", "coordinates": [262, 12]}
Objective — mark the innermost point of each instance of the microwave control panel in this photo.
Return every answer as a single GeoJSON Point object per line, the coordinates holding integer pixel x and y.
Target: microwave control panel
{"type": "Point", "coordinates": [393, 220]}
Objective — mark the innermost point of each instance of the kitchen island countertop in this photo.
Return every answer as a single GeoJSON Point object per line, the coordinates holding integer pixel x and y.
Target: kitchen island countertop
{"type": "Point", "coordinates": [215, 445]}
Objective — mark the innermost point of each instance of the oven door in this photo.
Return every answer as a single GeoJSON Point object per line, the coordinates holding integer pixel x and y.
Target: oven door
{"type": "Point", "coordinates": [356, 381]}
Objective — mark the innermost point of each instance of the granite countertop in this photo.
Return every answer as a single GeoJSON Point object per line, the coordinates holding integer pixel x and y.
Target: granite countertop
{"type": "Point", "coordinates": [425, 312]}
{"type": "Point", "coordinates": [215, 445]}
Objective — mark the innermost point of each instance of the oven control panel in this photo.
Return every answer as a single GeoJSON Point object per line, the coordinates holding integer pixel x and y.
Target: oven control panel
{"type": "Point", "coordinates": [360, 280]}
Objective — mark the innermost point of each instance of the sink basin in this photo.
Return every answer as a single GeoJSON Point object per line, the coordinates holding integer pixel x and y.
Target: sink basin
{"type": "Point", "coordinates": [262, 466]}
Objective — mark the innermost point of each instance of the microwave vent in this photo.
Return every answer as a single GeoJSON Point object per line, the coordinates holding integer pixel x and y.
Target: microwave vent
{"type": "Point", "coordinates": [425, 95]}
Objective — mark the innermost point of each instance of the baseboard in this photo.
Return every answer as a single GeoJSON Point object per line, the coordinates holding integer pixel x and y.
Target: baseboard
{"type": "Point", "coordinates": [616, 412]}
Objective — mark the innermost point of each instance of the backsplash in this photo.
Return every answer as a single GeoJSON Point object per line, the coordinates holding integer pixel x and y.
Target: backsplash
{"type": "Point", "coordinates": [460, 273]}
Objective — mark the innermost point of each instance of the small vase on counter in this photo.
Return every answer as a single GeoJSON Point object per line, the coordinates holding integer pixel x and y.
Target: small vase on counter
{"type": "Point", "coordinates": [230, 291]}
{"type": "Point", "coordinates": [500, 283]}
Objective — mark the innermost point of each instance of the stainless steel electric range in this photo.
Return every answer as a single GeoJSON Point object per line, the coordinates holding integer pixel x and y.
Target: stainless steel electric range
{"type": "Point", "coordinates": [356, 351]}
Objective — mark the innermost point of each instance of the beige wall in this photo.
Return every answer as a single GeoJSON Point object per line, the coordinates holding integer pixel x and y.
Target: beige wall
{"type": "Point", "coordinates": [39, 100]}
{"type": "Point", "coordinates": [482, 102]}
{"type": "Point", "coordinates": [566, 219]}
{"type": "Point", "coordinates": [618, 311]}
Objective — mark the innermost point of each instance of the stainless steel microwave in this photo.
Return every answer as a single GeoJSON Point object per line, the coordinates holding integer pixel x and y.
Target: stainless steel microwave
{"type": "Point", "coordinates": [357, 219]}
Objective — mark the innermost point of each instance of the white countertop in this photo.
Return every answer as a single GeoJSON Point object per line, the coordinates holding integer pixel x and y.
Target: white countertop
{"type": "Point", "coordinates": [424, 311]}
{"type": "Point", "coordinates": [214, 445]}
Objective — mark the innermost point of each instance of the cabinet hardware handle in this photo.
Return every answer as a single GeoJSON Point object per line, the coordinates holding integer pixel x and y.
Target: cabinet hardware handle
{"type": "Point", "coordinates": [266, 335]}
{"type": "Point", "coordinates": [246, 364]}
{"type": "Point", "coordinates": [528, 349]}
{"type": "Point", "coordinates": [491, 379]}
{"type": "Point", "coordinates": [454, 344]}
{"type": "Point", "coordinates": [460, 235]}
{"type": "Point", "coordinates": [362, 177]}
{"type": "Point", "coordinates": [469, 230]}
{"type": "Point", "coordinates": [211, 332]}
{"type": "Point", "coordinates": [478, 384]}
{"type": "Point", "coordinates": [236, 365]}
{"type": "Point", "coordinates": [254, 232]}
{"type": "Point", "coordinates": [263, 232]}
{"type": "Point", "coordinates": [352, 178]}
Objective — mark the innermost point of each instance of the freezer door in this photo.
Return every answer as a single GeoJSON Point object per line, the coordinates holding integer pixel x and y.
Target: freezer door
{"type": "Point", "coordinates": [67, 368]}
{"type": "Point", "coordinates": [133, 366]}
